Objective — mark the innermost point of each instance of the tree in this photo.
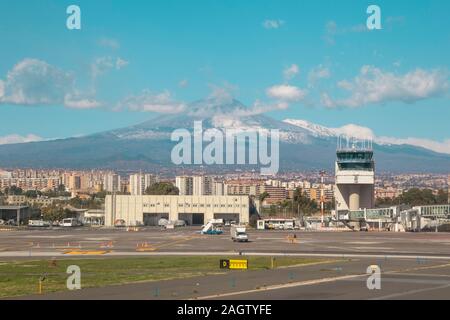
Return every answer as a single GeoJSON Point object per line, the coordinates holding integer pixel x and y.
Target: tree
{"type": "Point", "coordinates": [306, 205]}
{"type": "Point", "coordinates": [91, 203]}
{"type": "Point", "coordinates": [442, 197]}
{"type": "Point", "coordinates": [263, 196]}
{"type": "Point", "coordinates": [33, 194]}
{"type": "Point", "coordinates": [13, 191]}
{"type": "Point", "coordinates": [162, 188]}
{"type": "Point", "coordinates": [415, 197]}
{"type": "Point", "coordinates": [53, 213]}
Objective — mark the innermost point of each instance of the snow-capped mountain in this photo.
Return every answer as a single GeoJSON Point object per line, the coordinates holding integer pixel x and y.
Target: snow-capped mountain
{"type": "Point", "coordinates": [147, 146]}
{"type": "Point", "coordinates": [359, 132]}
{"type": "Point", "coordinates": [314, 129]}
{"type": "Point", "coordinates": [223, 116]}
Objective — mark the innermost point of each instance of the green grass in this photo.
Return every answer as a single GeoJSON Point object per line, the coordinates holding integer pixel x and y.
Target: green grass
{"type": "Point", "coordinates": [18, 278]}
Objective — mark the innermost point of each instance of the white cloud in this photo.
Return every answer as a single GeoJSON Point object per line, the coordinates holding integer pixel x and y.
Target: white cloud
{"type": "Point", "coordinates": [183, 83]}
{"type": "Point", "coordinates": [286, 93]}
{"type": "Point", "coordinates": [394, 20]}
{"type": "Point", "coordinates": [103, 64]}
{"type": "Point", "coordinates": [109, 43]}
{"type": "Point", "coordinates": [437, 146]}
{"type": "Point", "coordinates": [291, 72]}
{"type": "Point", "coordinates": [80, 102]}
{"type": "Point", "coordinates": [355, 131]}
{"type": "Point", "coordinates": [149, 102]}
{"type": "Point", "coordinates": [121, 63]}
{"type": "Point", "coordinates": [317, 73]}
{"type": "Point", "coordinates": [273, 24]}
{"type": "Point", "coordinates": [2, 90]}
{"type": "Point", "coordinates": [259, 107]}
{"type": "Point", "coordinates": [16, 138]}
{"type": "Point", "coordinates": [373, 85]}
{"type": "Point", "coordinates": [364, 133]}
{"type": "Point", "coordinates": [326, 100]}
{"type": "Point", "coordinates": [359, 132]}
{"type": "Point", "coordinates": [224, 93]}
{"type": "Point", "coordinates": [34, 82]}
{"type": "Point", "coordinates": [233, 118]}
{"type": "Point", "coordinates": [332, 30]}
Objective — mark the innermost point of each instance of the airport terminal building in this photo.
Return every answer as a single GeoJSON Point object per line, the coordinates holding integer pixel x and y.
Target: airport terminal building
{"type": "Point", "coordinates": [195, 210]}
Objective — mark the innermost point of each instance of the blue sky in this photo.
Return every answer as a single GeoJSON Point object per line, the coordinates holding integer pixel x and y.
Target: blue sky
{"type": "Point", "coordinates": [315, 59]}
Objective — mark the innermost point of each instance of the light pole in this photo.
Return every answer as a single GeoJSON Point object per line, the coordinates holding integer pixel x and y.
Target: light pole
{"type": "Point", "coordinates": [322, 196]}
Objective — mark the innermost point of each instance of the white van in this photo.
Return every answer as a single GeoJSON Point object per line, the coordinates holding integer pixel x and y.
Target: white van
{"type": "Point", "coordinates": [238, 233]}
{"type": "Point", "coordinates": [69, 222]}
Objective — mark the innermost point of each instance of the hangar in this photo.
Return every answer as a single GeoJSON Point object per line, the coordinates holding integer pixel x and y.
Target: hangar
{"type": "Point", "coordinates": [195, 210]}
{"type": "Point", "coordinates": [20, 214]}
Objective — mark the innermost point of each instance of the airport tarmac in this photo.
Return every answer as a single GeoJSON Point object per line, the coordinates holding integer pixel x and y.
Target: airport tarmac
{"type": "Point", "coordinates": [86, 241]}
{"type": "Point", "coordinates": [413, 265]}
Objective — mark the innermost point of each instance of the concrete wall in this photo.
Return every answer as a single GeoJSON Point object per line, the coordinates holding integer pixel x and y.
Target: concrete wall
{"type": "Point", "coordinates": [131, 209]}
{"type": "Point", "coordinates": [351, 181]}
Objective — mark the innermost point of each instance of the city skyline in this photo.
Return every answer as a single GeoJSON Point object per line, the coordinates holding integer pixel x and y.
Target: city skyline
{"type": "Point", "coordinates": [295, 61]}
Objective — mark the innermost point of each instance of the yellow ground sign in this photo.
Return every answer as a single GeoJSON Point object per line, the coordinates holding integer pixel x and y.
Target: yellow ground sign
{"type": "Point", "coordinates": [238, 264]}
{"type": "Point", "coordinates": [86, 252]}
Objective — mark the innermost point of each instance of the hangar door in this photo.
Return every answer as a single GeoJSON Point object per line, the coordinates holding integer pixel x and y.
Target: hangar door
{"type": "Point", "coordinates": [151, 219]}
{"type": "Point", "coordinates": [227, 217]}
{"type": "Point", "coordinates": [192, 219]}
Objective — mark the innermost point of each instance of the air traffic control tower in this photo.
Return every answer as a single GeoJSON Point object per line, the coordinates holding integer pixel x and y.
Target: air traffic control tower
{"type": "Point", "coordinates": [355, 175]}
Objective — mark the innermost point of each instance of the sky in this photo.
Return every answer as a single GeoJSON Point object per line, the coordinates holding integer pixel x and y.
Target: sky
{"type": "Point", "coordinates": [310, 60]}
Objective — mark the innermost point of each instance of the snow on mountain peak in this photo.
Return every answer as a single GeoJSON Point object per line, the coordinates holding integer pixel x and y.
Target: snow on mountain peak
{"type": "Point", "coordinates": [350, 130]}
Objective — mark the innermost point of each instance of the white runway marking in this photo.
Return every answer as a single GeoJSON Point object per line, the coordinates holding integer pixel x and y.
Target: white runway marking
{"type": "Point", "coordinates": [363, 242]}
{"type": "Point", "coordinates": [46, 237]}
{"type": "Point", "coordinates": [373, 248]}
{"type": "Point", "coordinates": [281, 286]}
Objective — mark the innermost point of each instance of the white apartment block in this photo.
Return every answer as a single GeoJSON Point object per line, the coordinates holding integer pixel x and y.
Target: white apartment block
{"type": "Point", "coordinates": [111, 182]}
{"type": "Point", "coordinates": [194, 185]}
{"type": "Point", "coordinates": [140, 182]}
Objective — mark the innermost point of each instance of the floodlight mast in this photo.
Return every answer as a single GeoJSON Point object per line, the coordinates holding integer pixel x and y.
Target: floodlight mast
{"type": "Point", "coordinates": [322, 196]}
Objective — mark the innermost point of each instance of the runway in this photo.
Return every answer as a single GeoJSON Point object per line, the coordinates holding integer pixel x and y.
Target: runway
{"type": "Point", "coordinates": [35, 243]}
{"type": "Point", "coordinates": [413, 265]}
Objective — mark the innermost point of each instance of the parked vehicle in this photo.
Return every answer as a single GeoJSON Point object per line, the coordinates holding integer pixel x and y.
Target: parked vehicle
{"type": "Point", "coordinates": [213, 227]}
{"type": "Point", "coordinates": [70, 222]}
{"type": "Point", "coordinates": [163, 222]}
{"type": "Point", "coordinates": [179, 223]}
{"type": "Point", "coordinates": [119, 223]}
{"type": "Point", "coordinates": [170, 225]}
{"type": "Point", "coordinates": [238, 233]}
{"type": "Point", "coordinates": [289, 225]}
{"type": "Point", "coordinates": [38, 223]}
{"type": "Point", "coordinates": [11, 222]}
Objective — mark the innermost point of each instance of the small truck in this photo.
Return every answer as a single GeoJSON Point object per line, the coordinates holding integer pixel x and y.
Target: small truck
{"type": "Point", "coordinates": [238, 233]}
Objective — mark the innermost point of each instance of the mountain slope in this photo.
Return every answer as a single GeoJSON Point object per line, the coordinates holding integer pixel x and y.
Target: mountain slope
{"type": "Point", "coordinates": [147, 146]}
